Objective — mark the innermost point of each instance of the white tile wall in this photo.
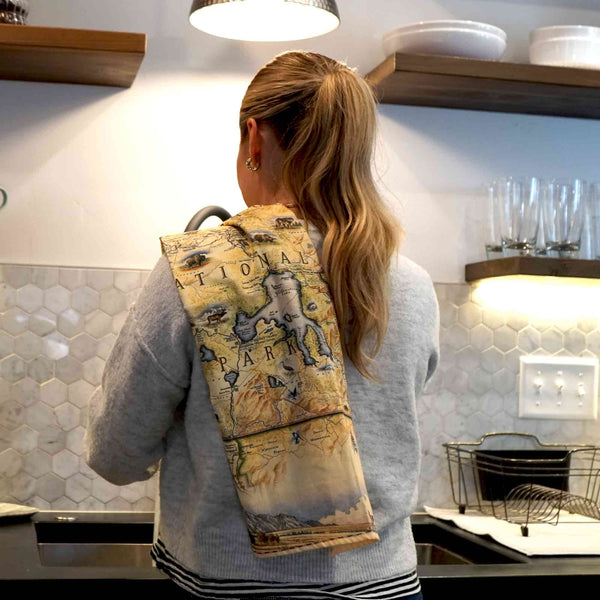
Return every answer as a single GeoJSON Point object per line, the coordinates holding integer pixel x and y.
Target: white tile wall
{"type": "Point", "coordinates": [58, 325]}
{"type": "Point", "coordinates": [475, 389]}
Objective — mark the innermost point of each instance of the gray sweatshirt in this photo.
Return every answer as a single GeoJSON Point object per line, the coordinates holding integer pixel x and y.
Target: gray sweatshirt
{"type": "Point", "coordinates": [154, 408]}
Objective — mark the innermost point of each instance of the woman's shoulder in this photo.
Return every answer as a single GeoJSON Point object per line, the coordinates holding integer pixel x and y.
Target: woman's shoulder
{"type": "Point", "coordinates": [409, 272]}
{"type": "Point", "coordinates": [411, 287]}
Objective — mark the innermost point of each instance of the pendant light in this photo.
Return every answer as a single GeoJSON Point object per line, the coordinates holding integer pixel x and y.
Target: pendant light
{"type": "Point", "coordinates": [265, 20]}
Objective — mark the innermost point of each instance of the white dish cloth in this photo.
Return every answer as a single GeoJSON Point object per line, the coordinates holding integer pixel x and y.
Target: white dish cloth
{"type": "Point", "coordinates": [13, 510]}
{"type": "Point", "coordinates": [579, 536]}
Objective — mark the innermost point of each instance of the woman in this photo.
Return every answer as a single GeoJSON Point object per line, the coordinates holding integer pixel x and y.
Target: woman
{"type": "Point", "coordinates": [307, 132]}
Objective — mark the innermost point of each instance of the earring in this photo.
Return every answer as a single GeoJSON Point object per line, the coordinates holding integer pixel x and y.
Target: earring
{"type": "Point", "coordinates": [250, 167]}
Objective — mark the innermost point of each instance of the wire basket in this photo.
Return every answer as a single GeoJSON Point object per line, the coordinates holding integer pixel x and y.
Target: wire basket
{"type": "Point", "coordinates": [500, 476]}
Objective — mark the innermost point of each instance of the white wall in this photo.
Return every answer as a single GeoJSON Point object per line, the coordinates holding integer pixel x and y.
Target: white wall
{"type": "Point", "coordinates": [95, 175]}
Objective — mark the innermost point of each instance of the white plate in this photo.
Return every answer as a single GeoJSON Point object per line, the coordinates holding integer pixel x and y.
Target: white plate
{"type": "Point", "coordinates": [448, 41]}
{"type": "Point", "coordinates": [449, 24]}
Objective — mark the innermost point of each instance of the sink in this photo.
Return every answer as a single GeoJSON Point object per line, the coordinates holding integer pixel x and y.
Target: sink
{"type": "Point", "coordinates": [95, 555]}
{"type": "Point", "coordinates": [108, 544]}
{"type": "Point", "coordinates": [138, 555]}
{"type": "Point", "coordinates": [431, 554]}
{"type": "Point", "coordinates": [85, 544]}
{"type": "Point", "coordinates": [452, 545]}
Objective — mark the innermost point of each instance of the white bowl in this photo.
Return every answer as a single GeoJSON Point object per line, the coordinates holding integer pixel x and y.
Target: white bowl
{"type": "Point", "coordinates": [566, 52]}
{"type": "Point", "coordinates": [563, 31]}
{"type": "Point", "coordinates": [451, 38]}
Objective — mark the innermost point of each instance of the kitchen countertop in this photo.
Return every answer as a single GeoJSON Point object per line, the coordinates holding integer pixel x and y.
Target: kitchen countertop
{"type": "Point", "coordinates": [20, 564]}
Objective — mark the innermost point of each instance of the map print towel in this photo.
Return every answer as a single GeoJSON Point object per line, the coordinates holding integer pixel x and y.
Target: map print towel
{"type": "Point", "coordinates": [265, 327]}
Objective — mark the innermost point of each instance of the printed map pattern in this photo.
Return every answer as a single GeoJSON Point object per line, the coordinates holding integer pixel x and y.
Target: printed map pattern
{"type": "Point", "coordinates": [265, 327]}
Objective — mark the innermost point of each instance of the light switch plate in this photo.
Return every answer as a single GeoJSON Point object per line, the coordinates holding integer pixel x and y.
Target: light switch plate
{"type": "Point", "coordinates": [560, 387]}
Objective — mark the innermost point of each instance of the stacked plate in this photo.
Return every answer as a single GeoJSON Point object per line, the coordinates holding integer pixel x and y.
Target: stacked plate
{"type": "Point", "coordinates": [566, 46]}
{"type": "Point", "coordinates": [468, 39]}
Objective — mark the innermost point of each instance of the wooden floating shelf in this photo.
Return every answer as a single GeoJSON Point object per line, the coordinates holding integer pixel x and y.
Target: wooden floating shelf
{"type": "Point", "coordinates": [533, 265]}
{"type": "Point", "coordinates": [59, 55]}
{"type": "Point", "coordinates": [489, 85]}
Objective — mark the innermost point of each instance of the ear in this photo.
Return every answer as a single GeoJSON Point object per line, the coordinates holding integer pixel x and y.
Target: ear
{"type": "Point", "coordinates": [254, 140]}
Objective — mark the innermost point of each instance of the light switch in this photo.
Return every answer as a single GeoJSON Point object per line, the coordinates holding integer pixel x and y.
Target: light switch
{"type": "Point", "coordinates": [560, 387]}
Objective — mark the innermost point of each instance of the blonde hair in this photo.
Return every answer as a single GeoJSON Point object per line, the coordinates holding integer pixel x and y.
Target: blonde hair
{"type": "Point", "coordinates": [324, 116]}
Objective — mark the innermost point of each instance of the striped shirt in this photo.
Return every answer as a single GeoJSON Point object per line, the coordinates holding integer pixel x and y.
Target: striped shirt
{"type": "Point", "coordinates": [401, 586]}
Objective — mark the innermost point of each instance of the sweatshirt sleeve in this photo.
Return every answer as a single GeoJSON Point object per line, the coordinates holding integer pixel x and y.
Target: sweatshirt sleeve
{"type": "Point", "coordinates": [419, 309]}
{"type": "Point", "coordinates": [434, 333]}
{"type": "Point", "coordinates": [146, 377]}
{"type": "Point", "coordinates": [434, 356]}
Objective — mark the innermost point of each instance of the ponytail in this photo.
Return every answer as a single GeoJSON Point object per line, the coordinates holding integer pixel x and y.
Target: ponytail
{"type": "Point", "coordinates": [324, 115]}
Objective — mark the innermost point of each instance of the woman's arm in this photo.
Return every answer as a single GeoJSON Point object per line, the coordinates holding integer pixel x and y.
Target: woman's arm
{"type": "Point", "coordinates": [145, 378]}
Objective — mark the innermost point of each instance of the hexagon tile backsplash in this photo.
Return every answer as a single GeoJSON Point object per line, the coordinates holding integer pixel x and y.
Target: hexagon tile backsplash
{"type": "Point", "coordinates": [58, 326]}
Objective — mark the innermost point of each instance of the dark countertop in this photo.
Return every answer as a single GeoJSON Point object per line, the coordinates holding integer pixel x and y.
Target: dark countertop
{"type": "Point", "coordinates": [20, 562]}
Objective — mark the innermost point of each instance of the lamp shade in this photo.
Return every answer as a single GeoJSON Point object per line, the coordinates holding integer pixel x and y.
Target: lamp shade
{"type": "Point", "coordinates": [265, 20]}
